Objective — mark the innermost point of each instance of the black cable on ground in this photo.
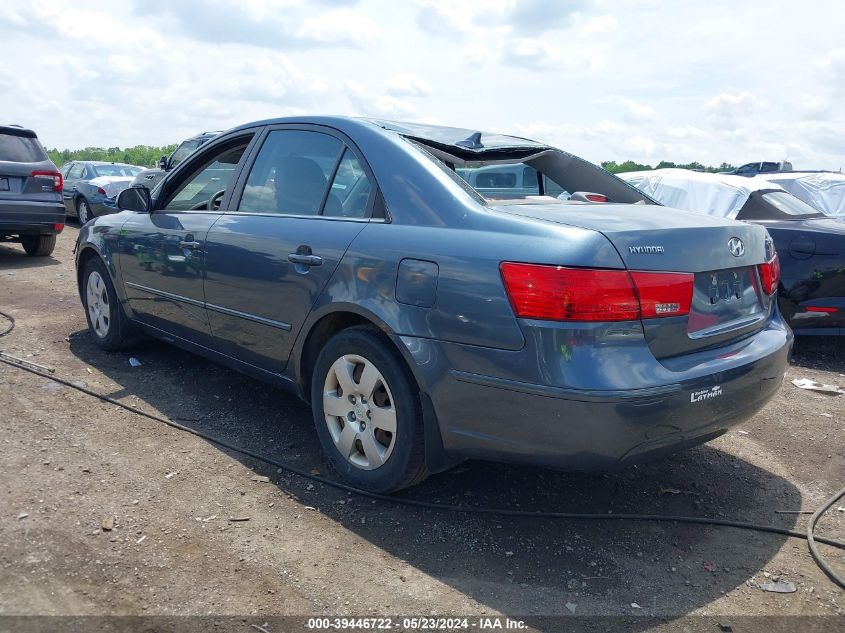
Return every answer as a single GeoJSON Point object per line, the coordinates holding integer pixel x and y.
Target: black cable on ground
{"type": "Point", "coordinates": [11, 323]}
{"type": "Point", "coordinates": [811, 538]}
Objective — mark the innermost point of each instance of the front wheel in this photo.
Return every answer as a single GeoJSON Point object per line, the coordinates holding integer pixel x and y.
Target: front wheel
{"type": "Point", "coordinates": [367, 412]}
{"type": "Point", "coordinates": [38, 245]}
{"type": "Point", "coordinates": [106, 321]}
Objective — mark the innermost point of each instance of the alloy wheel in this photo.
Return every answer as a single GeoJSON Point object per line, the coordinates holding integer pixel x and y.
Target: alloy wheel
{"type": "Point", "coordinates": [359, 412]}
{"type": "Point", "coordinates": [97, 301]}
{"type": "Point", "coordinates": [83, 211]}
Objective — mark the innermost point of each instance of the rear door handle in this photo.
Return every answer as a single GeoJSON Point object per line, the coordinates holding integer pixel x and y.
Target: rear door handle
{"type": "Point", "coordinates": [305, 260]}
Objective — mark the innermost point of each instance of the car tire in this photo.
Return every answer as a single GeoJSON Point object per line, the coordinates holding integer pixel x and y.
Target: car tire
{"type": "Point", "coordinates": [38, 245]}
{"type": "Point", "coordinates": [83, 211]}
{"type": "Point", "coordinates": [107, 323]}
{"type": "Point", "coordinates": [374, 440]}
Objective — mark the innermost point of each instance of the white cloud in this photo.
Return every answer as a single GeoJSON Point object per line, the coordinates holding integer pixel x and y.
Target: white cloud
{"type": "Point", "coordinates": [407, 85]}
{"type": "Point", "coordinates": [645, 81]}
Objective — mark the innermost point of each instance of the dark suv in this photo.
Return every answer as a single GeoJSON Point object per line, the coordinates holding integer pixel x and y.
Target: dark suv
{"type": "Point", "coordinates": [151, 177]}
{"type": "Point", "coordinates": [31, 209]}
{"type": "Point", "coordinates": [763, 167]}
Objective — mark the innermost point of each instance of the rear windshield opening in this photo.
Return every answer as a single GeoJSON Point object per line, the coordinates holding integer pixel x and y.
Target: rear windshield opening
{"type": "Point", "coordinates": [21, 149]}
{"type": "Point", "coordinates": [549, 175]}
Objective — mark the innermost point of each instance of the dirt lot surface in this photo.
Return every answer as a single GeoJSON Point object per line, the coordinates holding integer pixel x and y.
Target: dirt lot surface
{"type": "Point", "coordinates": [68, 462]}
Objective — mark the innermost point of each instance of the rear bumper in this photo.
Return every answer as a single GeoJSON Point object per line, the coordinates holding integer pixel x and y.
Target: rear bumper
{"type": "Point", "coordinates": [504, 419]}
{"type": "Point", "coordinates": [104, 206]}
{"type": "Point", "coordinates": [31, 218]}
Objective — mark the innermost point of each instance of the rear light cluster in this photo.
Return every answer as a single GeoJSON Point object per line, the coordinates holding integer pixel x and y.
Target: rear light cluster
{"type": "Point", "coordinates": [101, 191]}
{"type": "Point", "coordinates": [54, 177]}
{"type": "Point", "coordinates": [770, 274]}
{"type": "Point", "coordinates": [538, 291]}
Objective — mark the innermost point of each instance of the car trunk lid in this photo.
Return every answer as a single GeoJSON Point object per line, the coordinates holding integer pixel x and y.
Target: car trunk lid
{"type": "Point", "coordinates": [728, 301]}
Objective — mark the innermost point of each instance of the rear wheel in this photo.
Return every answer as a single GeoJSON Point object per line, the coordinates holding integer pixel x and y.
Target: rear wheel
{"type": "Point", "coordinates": [83, 211]}
{"type": "Point", "coordinates": [106, 321]}
{"type": "Point", "coordinates": [38, 245]}
{"type": "Point", "coordinates": [367, 412]}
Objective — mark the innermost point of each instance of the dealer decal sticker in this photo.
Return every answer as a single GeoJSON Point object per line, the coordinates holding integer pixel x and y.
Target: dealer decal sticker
{"type": "Point", "coordinates": [705, 394]}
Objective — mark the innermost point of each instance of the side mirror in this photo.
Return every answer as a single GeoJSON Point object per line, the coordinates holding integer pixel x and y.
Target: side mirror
{"type": "Point", "coordinates": [162, 162]}
{"type": "Point", "coordinates": [135, 198]}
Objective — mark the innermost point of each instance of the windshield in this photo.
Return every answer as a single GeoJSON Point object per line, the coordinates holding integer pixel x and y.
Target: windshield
{"type": "Point", "coordinates": [21, 149]}
{"type": "Point", "coordinates": [183, 151]}
{"type": "Point", "coordinates": [116, 170]}
{"type": "Point", "coordinates": [789, 204]}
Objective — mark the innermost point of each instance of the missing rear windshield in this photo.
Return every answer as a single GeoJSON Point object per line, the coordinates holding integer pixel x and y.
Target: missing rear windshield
{"type": "Point", "coordinates": [546, 176]}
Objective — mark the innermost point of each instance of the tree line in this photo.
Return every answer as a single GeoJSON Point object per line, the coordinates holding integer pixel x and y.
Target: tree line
{"type": "Point", "coordinates": [141, 155]}
{"type": "Point", "coordinates": [618, 168]}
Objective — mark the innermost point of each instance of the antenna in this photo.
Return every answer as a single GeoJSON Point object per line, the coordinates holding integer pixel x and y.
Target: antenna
{"type": "Point", "coordinates": [473, 141]}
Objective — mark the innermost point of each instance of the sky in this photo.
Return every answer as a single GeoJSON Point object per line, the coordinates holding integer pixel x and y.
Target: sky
{"type": "Point", "coordinates": [645, 80]}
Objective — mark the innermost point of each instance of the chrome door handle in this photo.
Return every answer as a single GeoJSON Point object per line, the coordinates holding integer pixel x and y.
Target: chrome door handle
{"type": "Point", "coordinates": [184, 244]}
{"type": "Point", "coordinates": [305, 260]}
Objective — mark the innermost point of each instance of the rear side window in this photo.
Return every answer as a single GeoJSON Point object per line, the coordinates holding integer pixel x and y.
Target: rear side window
{"type": "Point", "coordinates": [21, 149]}
{"type": "Point", "coordinates": [76, 171]}
{"type": "Point", "coordinates": [291, 174]}
{"type": "Point", "coordinates": [769, 167]}
{"type": "Point", "coordinates": [350, 193]}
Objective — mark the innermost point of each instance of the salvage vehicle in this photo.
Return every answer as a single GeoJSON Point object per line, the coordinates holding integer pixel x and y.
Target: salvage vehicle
{"type": "Point", "coordinates": [91, 187]}
{"type": "Point", "coordinates": [347, 261]}
{"type": "Point", "coordinates": [810, 245]}
{"type": "Point", "coordinates": [31, 210]}
{"type": "Point", "coordinates": [151, 177]}
{"type": "Point", "coordinates": [762, 167]}
{"type": "Point", "coordinates": [822, 190]}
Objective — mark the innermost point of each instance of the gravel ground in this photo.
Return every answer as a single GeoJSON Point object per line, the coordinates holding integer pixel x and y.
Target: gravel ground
{"type": "Point", "coordinates": [70, 462]}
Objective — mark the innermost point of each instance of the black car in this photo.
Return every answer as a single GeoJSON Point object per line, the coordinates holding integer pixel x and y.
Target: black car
{"type": "Point", "coordinates": [762, 167]}
{"type": "Point", "coordinates": [151, 177]}
{"type": "Point", "coordinates": [810, 244]}
{"type": "Point", "coordinates": [31, 210]}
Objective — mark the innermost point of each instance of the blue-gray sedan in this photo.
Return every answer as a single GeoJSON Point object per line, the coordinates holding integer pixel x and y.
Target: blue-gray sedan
{"type": "Point", "coordinates": [549, 313]}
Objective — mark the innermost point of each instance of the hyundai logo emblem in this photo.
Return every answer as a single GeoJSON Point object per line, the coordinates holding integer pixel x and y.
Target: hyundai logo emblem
{"type": "Point", "coordinates": [736, 247]}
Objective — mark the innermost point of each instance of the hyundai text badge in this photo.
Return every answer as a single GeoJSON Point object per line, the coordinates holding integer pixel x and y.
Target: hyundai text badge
{"type": "Point", "coordinates": [736, 247]}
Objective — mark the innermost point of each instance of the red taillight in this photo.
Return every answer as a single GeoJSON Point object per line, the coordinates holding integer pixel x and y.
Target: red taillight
{"type": "Point", "coordinates": [101, 191]}
{"type": "Point", "coordinates": [54, 176]}
{"type": "Point", "coordinates": [556, 293]}
{"type": "Point", "coordinates": [770, 274]}
{"type": "Point", "coordinates": [664, 294]}
{"type": "Point", "coordinates": [58, 227]}
{"type": "Point", "coordinates": [595, 197]}
{"type": "Point", "coordinates": [821, 309]}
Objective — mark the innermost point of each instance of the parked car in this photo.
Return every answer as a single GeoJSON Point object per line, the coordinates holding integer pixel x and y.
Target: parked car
{"type": "Point", "coordinates": [346, 260]}
{"type": "Point", "coordinates": [151, 177]}
{"type": "Point", "coordinates": [763, 167]}
{"type": "Point", "coordinates": [810, 245]}
{"type": "Point", "coordinates": [31, 210]}
{"type": "Point", "coordinates": [91, 187]}
{"type": "Point", "coordinates": [822, 190]}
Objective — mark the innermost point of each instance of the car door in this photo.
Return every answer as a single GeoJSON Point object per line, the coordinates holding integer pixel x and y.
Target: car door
{"type": "Point", "coordinates": [162, 253]}
{"type": "Point", "coordinates": [270, 256]}
{"type": "Point", "coordinates": [71, 186]}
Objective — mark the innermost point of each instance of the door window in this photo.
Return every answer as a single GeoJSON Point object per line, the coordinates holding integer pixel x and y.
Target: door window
{"type": "Point", "coordinates": [291, 173]}
{"type": "Point", "coordinates": [76, 171]}
{"type": "Point", "coordinates": [209, 184]}
{"type": "Point", "coordinates": [350, 193]}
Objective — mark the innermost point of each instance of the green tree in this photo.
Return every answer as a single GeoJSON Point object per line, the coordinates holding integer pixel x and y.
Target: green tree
{"type": "Point", "coordinates": [141, 155]}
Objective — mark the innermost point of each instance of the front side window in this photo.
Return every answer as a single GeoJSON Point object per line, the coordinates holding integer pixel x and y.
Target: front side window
{"type": "Point", "coordinates": [291, 173]}
{"type": "Point", "coordinates": [210, 182]}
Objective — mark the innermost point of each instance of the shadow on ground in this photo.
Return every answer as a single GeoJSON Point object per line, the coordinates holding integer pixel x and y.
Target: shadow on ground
{"type": "Point", "coordinates": [820, 352]}
{"type": "Point", "coordinates": [512, 565]}
{"type": "Point", "coordinates": [12, 256]}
